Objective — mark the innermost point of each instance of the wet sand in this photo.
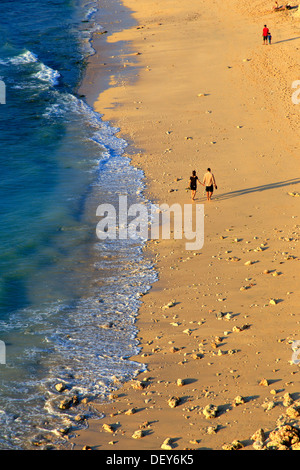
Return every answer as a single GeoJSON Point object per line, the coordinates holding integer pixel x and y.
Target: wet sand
{"type": "Point", "coordinates": [198, 89]}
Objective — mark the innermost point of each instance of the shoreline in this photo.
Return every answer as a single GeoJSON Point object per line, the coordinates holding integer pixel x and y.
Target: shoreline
{"type": "Point", "coordinates": [224, 120]}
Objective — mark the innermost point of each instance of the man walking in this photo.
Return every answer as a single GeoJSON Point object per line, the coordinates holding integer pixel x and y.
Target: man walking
{"type": "Point", "coordinates": [209, 182]}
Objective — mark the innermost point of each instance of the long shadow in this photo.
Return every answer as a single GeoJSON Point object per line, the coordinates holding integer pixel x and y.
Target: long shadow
{"type": "Point", "coordinates": [285, 40]}
{"type": "Point", "coordinates": [255, 189]}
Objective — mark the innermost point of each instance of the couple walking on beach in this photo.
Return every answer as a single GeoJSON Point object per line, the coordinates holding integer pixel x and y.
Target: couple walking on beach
{"type": "Point", "coordinates": [208, 181]}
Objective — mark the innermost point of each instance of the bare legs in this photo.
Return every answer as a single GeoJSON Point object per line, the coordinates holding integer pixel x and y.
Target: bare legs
{"type": "Point", "coordinates": [209, 195]}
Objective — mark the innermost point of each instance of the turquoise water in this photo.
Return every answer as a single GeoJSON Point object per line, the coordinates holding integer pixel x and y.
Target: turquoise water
{"type": "Point", "coordinates": [68, 301]}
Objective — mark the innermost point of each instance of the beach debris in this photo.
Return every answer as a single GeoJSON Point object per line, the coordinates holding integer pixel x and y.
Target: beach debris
{"type": "Point", "coordinates": [173, 402]}
{"type": "Point", "coordinates": [210, 411]}
{"type": "Point", "coordinates": [138, 434]}
{"type": "Point", "coordinates": [167, 444]}
{"type": "Point", "coordinates": [234, 445]}
{"type": "Point", "coordinates": [107, 428]}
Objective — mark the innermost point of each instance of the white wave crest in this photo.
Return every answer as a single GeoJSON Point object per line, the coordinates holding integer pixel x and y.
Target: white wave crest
{"type": "Point", "coordinates": [47, 74]}
{"type": "Point", "coordinates": [25, 58]}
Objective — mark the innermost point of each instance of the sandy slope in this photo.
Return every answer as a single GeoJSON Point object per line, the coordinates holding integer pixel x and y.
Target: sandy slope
{"type": "Point", "coordinates": [245, 128]}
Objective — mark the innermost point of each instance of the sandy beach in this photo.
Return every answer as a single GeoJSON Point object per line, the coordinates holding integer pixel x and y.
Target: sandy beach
{"type": "Point", "coordinates": [193, 87]}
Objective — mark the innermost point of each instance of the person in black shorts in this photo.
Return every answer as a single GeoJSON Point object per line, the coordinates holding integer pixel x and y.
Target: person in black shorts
{"type": "Point", "coordinates": [209, 182]}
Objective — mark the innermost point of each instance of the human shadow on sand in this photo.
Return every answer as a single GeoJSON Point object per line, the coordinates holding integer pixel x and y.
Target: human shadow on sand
{"type": "Point", "coordinates": [285, 40]}
{"type": "Point", "coordinates": [255, 189]}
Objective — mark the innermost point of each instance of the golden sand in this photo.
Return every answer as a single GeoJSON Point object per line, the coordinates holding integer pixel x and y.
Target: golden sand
{"type": "Point", "coordinates": [200, 90]}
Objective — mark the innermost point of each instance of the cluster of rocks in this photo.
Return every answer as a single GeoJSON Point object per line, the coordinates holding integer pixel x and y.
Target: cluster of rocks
{"type": "Point", "coordinates": [285, 436]}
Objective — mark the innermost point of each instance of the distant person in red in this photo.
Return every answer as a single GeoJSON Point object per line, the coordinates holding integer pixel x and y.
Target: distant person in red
{"type": "Point", "coordinates": [265, 34]}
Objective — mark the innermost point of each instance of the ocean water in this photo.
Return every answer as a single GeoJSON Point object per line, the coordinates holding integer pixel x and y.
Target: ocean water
{"type": "Point", "coordinates": [68, 301]}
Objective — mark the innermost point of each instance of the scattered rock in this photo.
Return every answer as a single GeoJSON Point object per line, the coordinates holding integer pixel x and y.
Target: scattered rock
{"type": "Point", "coordinates": [264, 383]}
{"type": "Point", "coordinates": [68, 402]}
{"type": "Point", "coordinates": [286, 435]}
{"type": "Point", "coordinates": [293, 411]}
{"type": "Point", "coordinates": [212, 429]}
{"type": "Point", "coordinates": [173, 402]}
{"type": "Point", "coordinates": [239, 400]}
{"type": "Point", "coordinates": [196, 356]}
{"type": "Point", "coordinates": [108, 428]}
{"type": "Point", "coordinates": [131, 411]}
{"type": "Point", "coordinates": [210, 411]}
{"type": "Point", "coordinates": [235, 445]}
{"type": "Point", "coordinates": [169, 305]}
{"type": "Point", "coordinates": [268, 405]}
{"type": "Point", "coordinates": [287, 400]}
{"type": "Point", "coordinates": [180, 382]}
{"type": "Point", "coordinates": [259, 435]}
{"type": "Point", "coordinates": [138, 434]}
{"type": "Point", "coordinates": [138, 385]}
{"type": "Point", "coordinates": [167, 444]}
{"type": "Point", "coordinates": [60, 387]}
{"type": "Point", "coordinates": [240, 328]}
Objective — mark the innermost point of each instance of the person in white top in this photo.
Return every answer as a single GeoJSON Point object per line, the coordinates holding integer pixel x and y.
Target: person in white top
{"type": "Point", "coordinates": [209, 182]}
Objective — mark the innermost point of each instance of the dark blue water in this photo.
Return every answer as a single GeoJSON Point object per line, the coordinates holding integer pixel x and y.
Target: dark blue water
{"type": "Point", "coordinates": [60, 286]}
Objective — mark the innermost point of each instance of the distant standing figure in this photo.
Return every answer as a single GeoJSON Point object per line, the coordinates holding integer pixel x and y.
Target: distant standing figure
{"type": "Point", "coordinates": [270, 38]}
{"type": "Point", "coordinates": [209, 182]}
{"type": "Point", "coordinates": [265, 34]}
{"type": "Point", "coordinates": [193, 184]}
